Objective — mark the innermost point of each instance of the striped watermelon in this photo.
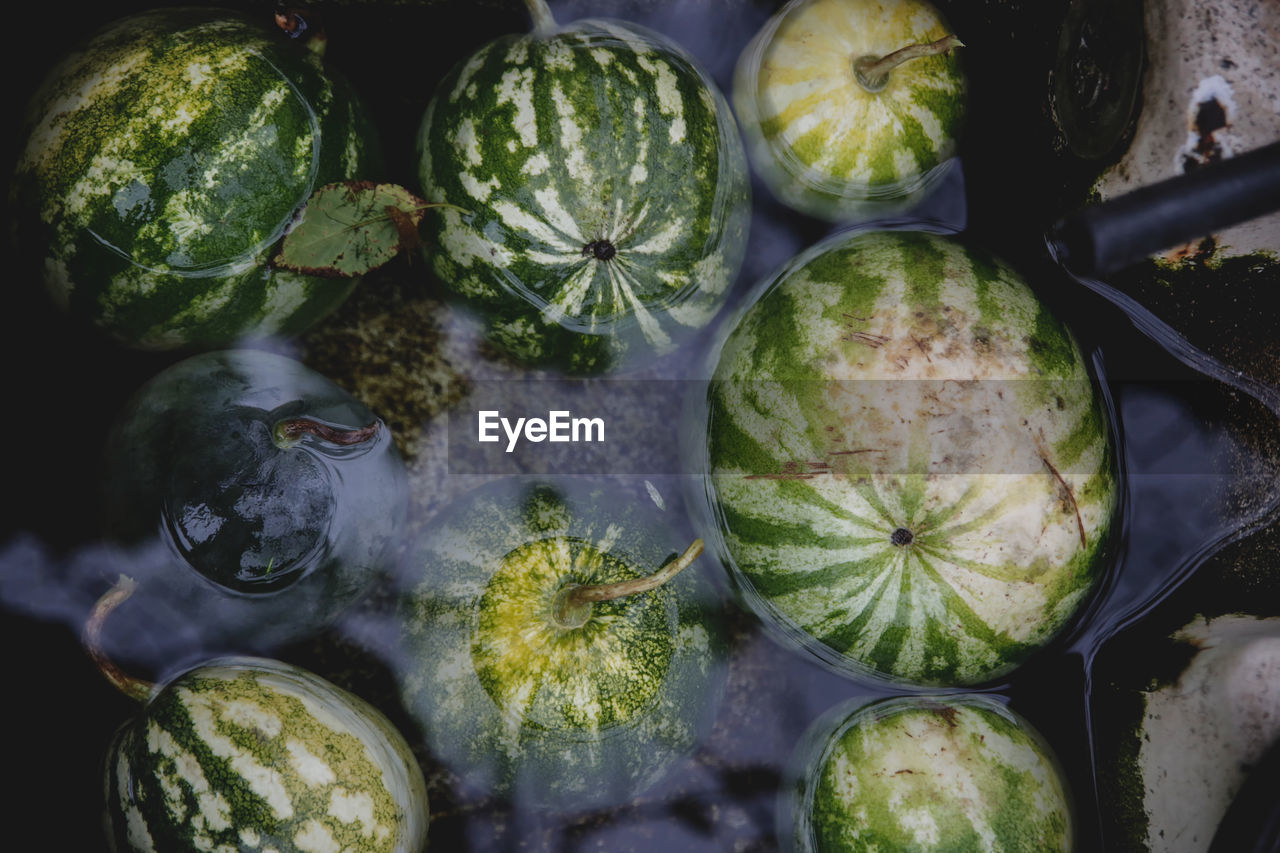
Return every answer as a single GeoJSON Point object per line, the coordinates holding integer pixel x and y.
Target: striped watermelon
{"type": "Point", "coordinates": [824, 142]}
{"type": "Point", "coordinates": [606, 187]}
{"type": "Point", "coordinates": [254, 754]}
{"type": "Point", "coordinates": [956, 773]}
{"type": "Point", "coordinates": [910, 470]}
{"type": "Point", "coordinates": [166, 158]}
{"type": "Point", "coordinates": [559, 713]}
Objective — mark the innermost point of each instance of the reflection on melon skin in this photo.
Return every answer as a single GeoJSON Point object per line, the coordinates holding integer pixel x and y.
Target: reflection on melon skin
{"type": "Point", "coordinates": [163, 162]}
{"type": "Point", "coordinates": [259, 498]}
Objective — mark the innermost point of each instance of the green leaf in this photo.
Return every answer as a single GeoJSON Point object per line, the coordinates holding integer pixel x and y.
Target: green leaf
{"type": "Point", "coordinates": [347, 229]}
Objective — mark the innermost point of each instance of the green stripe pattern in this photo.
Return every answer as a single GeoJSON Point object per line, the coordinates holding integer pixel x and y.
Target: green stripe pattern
{"type": "Point", "coordinates": [164, 161]}
{"type": "Point", "coordinates": [554, 716]}
{"type": "Point", "coordinates": [960, 773]}
{"type": "Point", "coordinates": [606, 187]}
{"type": "Point", "coordinates": [255, 754]}
{"type": "Point", "coordinates": [825, 144]}
{"type": "Point", "coordinates": [910, 467]}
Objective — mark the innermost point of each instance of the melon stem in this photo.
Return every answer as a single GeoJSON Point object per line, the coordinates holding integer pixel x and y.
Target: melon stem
{"type": "Point", "coordinates": [543, 22]}
{"type": "Point", "coordinates": [873, 71]}
{"type": "Point", "coordinates": [572, 605]}
{"type": "Point", "coordinates": [295, 26]}
{"type": "Point", "coordinates": [134, 688]}
{"type": "Point", "coordinates": [289, 432]}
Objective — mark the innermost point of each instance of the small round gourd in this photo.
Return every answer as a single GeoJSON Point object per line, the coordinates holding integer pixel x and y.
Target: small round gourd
{"type": "Point", "coordinates": [543, 656]}
{"type": "Point", "coordinates": [851, 107]}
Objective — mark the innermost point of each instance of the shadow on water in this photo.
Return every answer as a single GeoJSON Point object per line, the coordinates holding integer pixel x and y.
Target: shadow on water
{"type": "Point", "coordinates": [1200, 444]}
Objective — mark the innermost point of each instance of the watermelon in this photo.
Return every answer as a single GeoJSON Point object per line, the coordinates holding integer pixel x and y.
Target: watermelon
{"type": "Point", "coordinates": [556, 707]}
{"type": "Point", "coordinates": [605, 187]}
{"type": "Point", "coordinates": [163, 162]}
{"type": "Point", "coordinates": [832, 141]}
{"type": "Point", "coordinates": [955, 773]}
{"type": "Point", "coordinates": [255, 754]}
{"type": "Point", "coordinates": [252, 494]}
{"type": "Point", "coordinates": [907, 466]}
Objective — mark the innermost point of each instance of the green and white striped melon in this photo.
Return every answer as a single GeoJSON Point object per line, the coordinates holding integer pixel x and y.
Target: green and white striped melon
{"type": "Point", "coordinates": [606, 187]}
{"type": "Point", "coordinates": [957, 773]}
{"type": "Point", "coordinates": [557, 708]}
{"type": "Point", "coordinates": [255, 754]}
{"type": "Point", "coordinates": [828, 140]}
{"type": "Point", "coordinates": [908, 466]}
{"type": "Point", "coordinates": [166, 158]}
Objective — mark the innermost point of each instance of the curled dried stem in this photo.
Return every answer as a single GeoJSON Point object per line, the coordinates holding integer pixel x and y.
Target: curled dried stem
{"type": "Point", "coordinates": [573, 604]}
{"type": "Point", "coordinates": [135, 688]}
{"type": "Point", "coordinates": [873, 71]}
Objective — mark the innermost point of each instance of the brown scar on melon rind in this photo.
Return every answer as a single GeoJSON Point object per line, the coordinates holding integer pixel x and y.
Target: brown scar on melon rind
{"type": "Point", "coordinates": [1084, 542]}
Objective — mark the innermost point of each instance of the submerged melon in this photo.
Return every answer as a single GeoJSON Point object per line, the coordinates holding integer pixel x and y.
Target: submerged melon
{"type": "Point", "coordinates": [908, 467]}
{"type": "Point", "coordinates": [557, 707]}
{"type": "Point", "coordinates": [832, 133]}
{"type": "Point", "coordinates": [254, 500]}
{"type": "Point", "coordinates": [605, 193]}
{"type": "Point", "coordinates": [955, 773]}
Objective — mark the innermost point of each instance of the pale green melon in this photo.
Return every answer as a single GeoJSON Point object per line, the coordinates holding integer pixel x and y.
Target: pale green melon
{"type": "Point", "coordinates": [909, 468]}
{"type": "Point", "coordinates": [824, 142]}
{"type": "Point", "coordinates": [949, 773]}
{"type": "Point", "coordinates": [521, 702]}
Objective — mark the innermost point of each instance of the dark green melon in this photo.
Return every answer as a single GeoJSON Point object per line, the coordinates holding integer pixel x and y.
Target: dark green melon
{"type": "Point", "coordinates": [256, 498]}
{"type": "Point", "coordinates": [164, 161]}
